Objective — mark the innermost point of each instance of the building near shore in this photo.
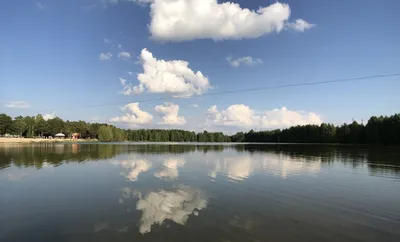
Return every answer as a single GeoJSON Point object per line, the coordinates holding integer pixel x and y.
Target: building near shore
{"type": "Point", "coordinates": [60, 136]}
{"type": "Point", "coordinates": [75, 136]}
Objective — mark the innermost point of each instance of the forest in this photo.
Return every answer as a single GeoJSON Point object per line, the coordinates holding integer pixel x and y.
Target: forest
{"type": "Point", "coordinates": [378, 130]}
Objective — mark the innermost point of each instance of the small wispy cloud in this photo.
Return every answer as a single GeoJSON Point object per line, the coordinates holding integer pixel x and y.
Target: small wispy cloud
{"type": "Point", "coordinates": [112, 2]}
{"type": "Point", "coordinates": [247, 60]}
{"type": "Point", "coordinates": [124, 55]}
{"type": "Point", "coordinates": [105, 56]}
{"type": "Point", "coordinates": [39, 5]}
{"type": "Point", "coordinates": [300, 25]}
{"type": "Point", "coordinates": [193, 105]}
{"type": "Point", "coordinates": [17, 104]}
{"type": "Point", "coordinates": [107, 41]}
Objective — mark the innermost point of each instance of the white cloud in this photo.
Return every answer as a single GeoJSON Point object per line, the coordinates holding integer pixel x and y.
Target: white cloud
{"type": "Point", "coordinates": [130, 73]}
{"type": "Point", "coordinates": [240, 115]}
{"type": "Point", "coordinates": [124, 55]}
{"type": "Point", "coordinates": [95, 118]}
{"type": "Point", "coordinates": [235, 115]}
{"type": "Point", "coordinates": [173, 77]}
{"type": "Point", "coordinates": [119, 46]}
{"type": "Point", "coordinates": [181, 20]}
{"type": "Point", "coordinates": [134, 115]}
{"type": "Point", "coordinates": [129, 88]}
{"type": "Point", "coordinates": [193, 105]}
{"type": "Point", "coordinates": [48, 116]}
{"type": "Point", "coordinates": [17, 104]}
{"type": "Point", "coordinates": [105, 56]}
{"type": "Point", "coordinates": [170, 168]}
{"type": "Point", "coordinates": [285, 118]}
{"type": "Point", "coordinates": [39, 5]}
{"type": "Point", "coordinates": [122, 81]}
{"type": "Point", "coordinates": [163, 205]}
{"type": "Point", "coordinates": [300, 25]}
{"type": "Point", "coordinates": [247, 60]}
{"type": "Point", "coordinates": [107, 41]}
{"type": "Point", "coordinates": [169, 114]}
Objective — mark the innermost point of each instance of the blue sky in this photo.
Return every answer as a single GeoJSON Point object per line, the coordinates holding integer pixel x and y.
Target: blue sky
{"type": "Point", "coordinates": [49, 62]}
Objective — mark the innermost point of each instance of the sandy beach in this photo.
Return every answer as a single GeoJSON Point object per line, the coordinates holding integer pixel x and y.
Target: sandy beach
{"type": "Point", "coordinates": [38, 140]}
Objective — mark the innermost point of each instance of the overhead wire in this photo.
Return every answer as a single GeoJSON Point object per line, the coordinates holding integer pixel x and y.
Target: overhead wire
{"type": "Point", "coordinates": [251, 89]}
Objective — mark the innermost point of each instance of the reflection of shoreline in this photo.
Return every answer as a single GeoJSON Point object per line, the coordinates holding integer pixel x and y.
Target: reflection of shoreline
{"type": "Point", "coordinates": [32, 155]}
{"type": "Point", "coordinates": [55, 154]}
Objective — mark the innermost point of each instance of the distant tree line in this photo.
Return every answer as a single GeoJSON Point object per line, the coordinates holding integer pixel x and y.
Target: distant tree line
{"type": "Point", "coordinates": [36, 126]}
{"type": "Point", "coordinates": [378, 130]}
{"type": "Point", "coordinates": [174, 135]}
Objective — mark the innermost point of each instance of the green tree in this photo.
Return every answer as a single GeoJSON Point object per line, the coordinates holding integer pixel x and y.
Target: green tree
{"type": "Point", "coordinates": [30, 126]}
{"type": "Point", "coordinates": [19, 125]}
{"type": "Point", "coordinates": [93, 130]}
{"type": "Point", "coordinates": [41, 126]}
{"type": "Point", "coordinates": [106, 134]}
{"type": "Point", "coordinates": [238, 137]}
{"type": "Point", "coordinates": [5, 123]}
{"type": "Point", "coordinates": [56, 125]}
{"type": "Point", "coordinates": [82, 128]}
{"type": "Point", "coordinates": [118, 134]}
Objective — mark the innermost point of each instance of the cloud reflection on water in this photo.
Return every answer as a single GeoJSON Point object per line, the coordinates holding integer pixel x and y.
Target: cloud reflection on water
{"type": "Point", "coordinates": [240, 167]}
{"type": "Point", "coordinates": [134, 167]}
{"type": "Point", "coordinates": [236, 168]}
{"type": "Point", "coordinates": [175, 205]}
{"type": "Point", "coordinates": [170, 168]}
{"type": "Point", "coordinates": [285, 166]}
{"type": "Point", "coordinates": [16, 175]}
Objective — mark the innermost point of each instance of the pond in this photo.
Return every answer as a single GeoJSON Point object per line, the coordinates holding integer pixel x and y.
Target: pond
{"type": "Point", "coordinates": [198, 192]}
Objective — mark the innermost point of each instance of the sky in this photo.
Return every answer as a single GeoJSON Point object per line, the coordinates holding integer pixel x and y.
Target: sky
{"type": "Point", "coordinates": [96, 60]}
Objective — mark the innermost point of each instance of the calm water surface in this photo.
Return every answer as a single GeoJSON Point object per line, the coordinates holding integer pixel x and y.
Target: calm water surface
{"type": "Point", "coordinates": [244, 193]}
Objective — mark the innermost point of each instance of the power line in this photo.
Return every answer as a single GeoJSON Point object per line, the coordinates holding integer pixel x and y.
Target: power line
{"type": "Point", "coordinates": [253, 89]}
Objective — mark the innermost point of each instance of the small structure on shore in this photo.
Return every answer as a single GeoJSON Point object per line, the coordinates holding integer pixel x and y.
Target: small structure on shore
{"type": "Point", "coordinates": [75, 136]}
{"type": "Point", "coordinates": [60, 136]}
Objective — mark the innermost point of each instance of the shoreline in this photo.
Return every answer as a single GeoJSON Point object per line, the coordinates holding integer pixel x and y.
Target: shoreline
{"type": "Point", "coordinates": [40, 140]}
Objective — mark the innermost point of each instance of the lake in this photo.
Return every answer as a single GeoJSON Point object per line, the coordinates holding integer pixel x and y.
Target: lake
{"type": "Point", "coordinates": [197, 192]}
